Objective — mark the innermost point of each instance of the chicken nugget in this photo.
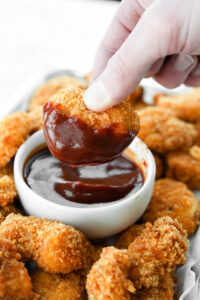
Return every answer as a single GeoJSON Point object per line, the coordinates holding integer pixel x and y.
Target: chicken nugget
{"type": "Point", "coordinates": [162, 131]}
{"type": "Point", "coordinates": [55, 247]}
{"type": "Point", "coordinates": [7, 186]}
{"type": "Point", "coordinates": [172, 198]}
{"type": "Point", "coordinates": [36, 119]}
{"type": "Point", "coordinates": [129, 235]}
{"type": "Point", "coordinates": [184, 167]}
{"type": "Point", "coordinates": [15, 282]}
{"type": "Point", "coordinates": [45, 91]}
{"type": "Point", "coordinates": [185, 106]}
{"type": "Point", "coordinates": [14, 130]}
{"type": "Point", "coordinates": [7, 210]}
{"type": "Point", "coordinates": [108, 278]}
{"type": "Point", "coordinates": [78, 136]}
{"type": "Point", "coordinates": [156, 252]}
{"type": "Point", "coordinates": [57, 286]}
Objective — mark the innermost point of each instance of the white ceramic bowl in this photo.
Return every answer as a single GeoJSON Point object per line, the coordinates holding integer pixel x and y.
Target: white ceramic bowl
{"type": "Point", "coordinates": [95, 221]}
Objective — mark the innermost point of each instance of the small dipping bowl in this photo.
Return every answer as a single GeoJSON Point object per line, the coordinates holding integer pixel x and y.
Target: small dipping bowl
{"type": "Point", "coordinates": [95, 221]}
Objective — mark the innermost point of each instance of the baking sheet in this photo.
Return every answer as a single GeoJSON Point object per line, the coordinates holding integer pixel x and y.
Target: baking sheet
{"type": "Point", "coordinates": [188, 286]}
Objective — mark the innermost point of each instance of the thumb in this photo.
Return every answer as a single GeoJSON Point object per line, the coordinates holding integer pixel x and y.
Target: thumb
{"type": "Point", "coordinates": [148, 42]}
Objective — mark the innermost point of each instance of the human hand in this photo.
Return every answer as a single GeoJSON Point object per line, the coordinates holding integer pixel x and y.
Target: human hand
{"type": "Point", "coordinates": [158, 38]}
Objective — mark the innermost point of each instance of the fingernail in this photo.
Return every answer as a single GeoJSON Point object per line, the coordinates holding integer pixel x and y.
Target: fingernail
{"type": "Point", "coordinates": [183, 62]}
{"type": "Point", "coordinates": [96, 97]}
{"type": "Point", "coordinates": [196, 71]}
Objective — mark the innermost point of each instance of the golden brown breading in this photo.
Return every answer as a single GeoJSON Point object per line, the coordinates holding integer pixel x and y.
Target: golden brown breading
{"type": "Point", "coordinates": [163, 132]}
{"type": "Point", "coordinates": [70, 102]}
{"type": "Point", "coordinates": [197, 128]}
{"type": "Point", "coordinates": [55, 247]}
{"type": "Point", "coordinates": [7, 186]}
{"type": "Point", "coordinates": [184, 167]}
{"type": "Point", "coordinates": [56, 286]}
{"type": "Point", "coordinates": [15, 282]}
{"type": "Point", "coordinates": [36, 119]}
{"type": "Point", "coordinates": [172, 198]}
{"type": "Point", "coordinates": [14, 130]}
{"type": "Point", "coordinates": [157, 252]}
{"type": "Point", "coordinates": [7, 210]}
{"type": "Point", "coordinates": [108, 278]}
{"type": "Point", "coordinates": [44, 92]}
{"type": "Point", "coordinates": [159, 166]}
{"type": "Point", "coordinates": [185, 106]}
{"type": "Point", "coordinates": [128, 236]}
{"type": "Point", "coordinates": [164, 291]}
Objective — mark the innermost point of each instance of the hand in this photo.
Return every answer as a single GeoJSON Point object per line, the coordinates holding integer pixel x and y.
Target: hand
{"type": "Point", "coordinates": [158, 38]}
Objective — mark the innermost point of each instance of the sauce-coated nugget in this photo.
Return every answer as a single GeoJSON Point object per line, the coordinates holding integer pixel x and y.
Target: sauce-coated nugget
{"type": "Point", "coordinates": [44, 92]}
{"type": "Point", "coordinates": [15, 282]}
{"type": "Point", "coordinates": [172, 198]}
{"type": "Point", "coordinates": [79, 136]}
{"type": "Point", "coordinates": [56, 286]}
{"type": "Point", "coordinates": [185, 106]}
{"type": "Point", "coordinates": [128, 236]}
{"type": "Point", "coordinates": [156, 252]}
{"type": "Point", "coordinates": [55, 247]}
{"type": "Point", "coordinates": [162, 131]}
{"type": "Point", "coordinates": [7, 186]}
{"type": "Point", "coordinates": [185, 167]}
{"type": "Point", "coordinates": [14, 130]}
{"type": "Point", "coordinates": [108, 278]}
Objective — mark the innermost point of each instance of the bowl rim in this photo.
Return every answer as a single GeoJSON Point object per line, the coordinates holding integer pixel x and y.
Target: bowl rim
{"type": "Point", "coordinates": [18, 172]}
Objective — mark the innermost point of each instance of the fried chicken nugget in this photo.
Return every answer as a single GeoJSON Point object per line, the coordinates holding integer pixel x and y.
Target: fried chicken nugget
{"type": "Point", "coordinates": [185, 106]}
{"type": "Point", "coordinates": [44, 92]}
{"type": "Point", "coordinates": [56, 286]}
{"type": "Point", "coordinates": [172, 198]}
{"type": "Point", "coordinates": [156, 252]}
{"type": "Point", "coordinates": [184, 167]}
{"type": "Point", "coordinates": [78, 136]}
{"type": "Point", "coordinates": [129, 235]}
{"type": "Point", "coordinates": [15, 282]}
{"type": "Point", "coordinates": [36, 119]}
{"type": "Point", "coordinates": [7, 186]}
{"type": "Point", "coordinates": [108, 278]}
{"type": "Point", "coordinates": [159, 165]}
{"type": "Point", "coordinates": [162, 131]}
{"type": "Point", "coordinates": [14, 130]}
{"type": "Point", "coordinates": [7, 210]}
{"type": "Point", "coordinates": [55, 247]}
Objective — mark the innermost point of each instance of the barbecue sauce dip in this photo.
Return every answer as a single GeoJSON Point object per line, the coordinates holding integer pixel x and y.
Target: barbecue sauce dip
{"type": "Point", "coordinates": [108, 182]}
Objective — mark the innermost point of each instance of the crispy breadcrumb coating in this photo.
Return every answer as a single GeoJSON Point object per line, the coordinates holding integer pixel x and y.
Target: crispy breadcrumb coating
{"type": "Point", "coordinates": [172, 198]}
{"type": "Point", "coordinates": [164, 291]}
{"type": "Point", "coordinates": [128, 236]}
{"type": "Point", "coordinates": [15, 282]}
{"type": "Point", "coordinates": [163, 132]}
{"type": "Point", "coordinates": [7, 186]}
{"type": "Point", "coordinates": [185, 106]}
{"type": "Point", "coordinates": [55, 247]}
{"type": "Point", "coordinates": [157, 252]}
{"type": "Point", "coordinates": [184, 167]}
{"type": "Point", "coordinates": [57, 286]}
{"type": "Point", "coordinates": [108, 279]}
{"type": "Point", "coordinates": [159, 165]}
{"type": "Point", "coordinates": [7, 210]}
{"type": "Point", "coordinates": [45, 91]}
{"type": "Point", "coordinates": [14, 130]}
{"type": "Point", "coordinates": [36, 119]}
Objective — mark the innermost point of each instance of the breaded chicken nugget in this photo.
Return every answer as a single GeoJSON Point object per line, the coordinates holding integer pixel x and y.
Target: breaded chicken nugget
{"type": "Point", "coordinates": [184, 167]}
{"type": "Point", "coordinates": [7, 186]}
{"type": "Point", "coordinates": [44, 92]}
{"type": "Point", "coordinates": [15, 283]}
{"type": "Point", "coordinates": [156, 252]}
{"type": "Point", "coordinates": [128, 236]}
{"type": "Point", "coordinates": [159, 165]}
{"type": "Point", "coordinates": [7, 210]}
{"type": "Point", "coordinates": [55, 247]}
{"type": "Point", "coordinates": [185, 106]}
{"type": "Point", "coordinates": [56, 286]}
{"type": "Point", "coordinates": [14, 130]}
{"type": "Point", "coordinates": [163, 132]}
{"type": "Point", "coordinates": [164, 291]}
{"type": "Point", "coordinates": [172, 198]}
{"type": "Point", "coordinates": [36, 119]}
{"type": "Point", "coordinates": [108, 278]}
{"type": "Point", "coordinates": [79, 136]}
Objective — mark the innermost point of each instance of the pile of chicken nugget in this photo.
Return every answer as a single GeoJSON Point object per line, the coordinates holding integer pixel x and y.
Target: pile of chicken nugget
{"type": "Point", "coordinates": [141, 264]}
